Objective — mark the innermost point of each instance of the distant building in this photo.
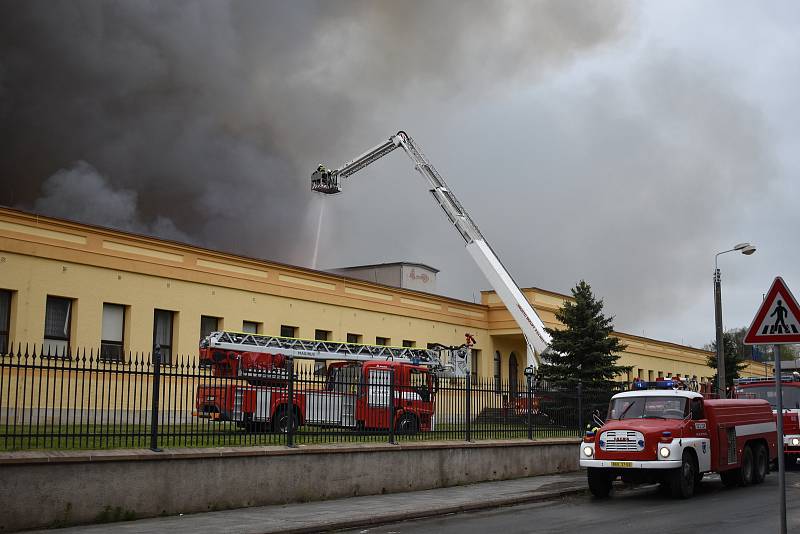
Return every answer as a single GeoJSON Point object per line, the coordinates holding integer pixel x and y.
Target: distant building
{"type": "Point", "coordinates": [405, 275]}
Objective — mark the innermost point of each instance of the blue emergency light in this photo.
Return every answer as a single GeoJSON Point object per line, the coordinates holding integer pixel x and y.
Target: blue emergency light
{"type": "Point", "coordinates": [657, 384]}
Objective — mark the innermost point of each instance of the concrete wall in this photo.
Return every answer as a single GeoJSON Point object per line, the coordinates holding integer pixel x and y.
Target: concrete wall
{"type": "Point", "coordinates": [41, 489]}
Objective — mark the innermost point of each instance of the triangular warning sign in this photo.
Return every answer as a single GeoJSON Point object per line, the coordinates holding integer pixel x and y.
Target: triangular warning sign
{"type": "Point", "coordinates": [778, 319]}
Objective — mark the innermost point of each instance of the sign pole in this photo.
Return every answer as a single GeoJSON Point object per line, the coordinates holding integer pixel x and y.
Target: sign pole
{"type": "Point", "coordinates": [777, 323]}
{"type": "Point", "coordinates": [781, 459]}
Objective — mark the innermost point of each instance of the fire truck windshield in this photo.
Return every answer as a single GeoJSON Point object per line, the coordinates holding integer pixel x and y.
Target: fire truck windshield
{"type": "Point", "coordinates": [652, 407]}
{"type": "Point", "coordinates": [791, 395]}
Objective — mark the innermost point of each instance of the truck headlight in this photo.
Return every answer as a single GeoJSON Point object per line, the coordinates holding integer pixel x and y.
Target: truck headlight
{"type": "Point", "coordinates": [664, 452]}
{"type": "Point", "coordinates": [795, 442]}
{"type": "Point", "coordinates": [588, 451]}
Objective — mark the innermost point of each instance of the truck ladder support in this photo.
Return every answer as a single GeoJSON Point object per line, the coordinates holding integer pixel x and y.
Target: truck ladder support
{"type": "Point", "coordinates": [452, 361]}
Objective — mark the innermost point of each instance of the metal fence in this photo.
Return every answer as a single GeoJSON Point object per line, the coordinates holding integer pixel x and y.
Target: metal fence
{"type": "Point", "coordinates": [85, 400]}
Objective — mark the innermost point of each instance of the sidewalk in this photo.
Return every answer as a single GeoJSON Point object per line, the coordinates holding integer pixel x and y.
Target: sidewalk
{"type": "Point", "coordinates": [352, 512]}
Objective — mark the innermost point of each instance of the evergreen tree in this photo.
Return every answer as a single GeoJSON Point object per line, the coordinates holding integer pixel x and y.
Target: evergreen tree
{"type": "Point", "coordinates": [735, 362]}
{"type": "Point", "coordinates": [584, 349]}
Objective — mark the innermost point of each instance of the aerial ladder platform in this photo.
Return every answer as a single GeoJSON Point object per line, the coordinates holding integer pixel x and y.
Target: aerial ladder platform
{"type": "Point", "coordinates": [329, 181]}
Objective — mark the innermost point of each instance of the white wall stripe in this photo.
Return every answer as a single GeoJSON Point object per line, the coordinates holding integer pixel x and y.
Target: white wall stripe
{"type": "Point", "coordinates": [755, 428]}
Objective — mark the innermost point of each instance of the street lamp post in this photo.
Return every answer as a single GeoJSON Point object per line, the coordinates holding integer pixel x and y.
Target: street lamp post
{"type": "Point", "coordinates": [746, 249]}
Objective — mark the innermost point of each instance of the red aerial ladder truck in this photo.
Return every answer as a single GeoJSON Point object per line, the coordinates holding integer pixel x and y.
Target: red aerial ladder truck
{"type": "Point", "coordinates": [764, 388]}
{"type": "Point", "coordinates": [250, 372]}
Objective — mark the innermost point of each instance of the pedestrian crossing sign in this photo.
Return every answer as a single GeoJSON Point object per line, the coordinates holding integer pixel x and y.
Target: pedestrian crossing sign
{"type": "Point", "coordinates": [777, 321]}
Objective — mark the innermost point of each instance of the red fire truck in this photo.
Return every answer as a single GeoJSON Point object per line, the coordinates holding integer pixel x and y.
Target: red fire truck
{"type": "Point", "coordinates": [674, 437]}
{"type": "Point", "coordinates": [764, 388]}
{"type": "Point", "coordinates": [249, 383]}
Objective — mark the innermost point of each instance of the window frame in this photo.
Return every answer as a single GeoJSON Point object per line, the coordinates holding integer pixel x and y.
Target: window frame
{"type": "Point", "coordinates": [68, 328]}
{"type": "Point", "coordinates": [216, 324]}
{"type": "Point", "coordinates": [5, 329]}
{"type": "Point", "coordinates": [106, 342]}
{"type": "Point", "coordinates": [355, 339]}
{"type": "Point", "coordinates": [258, 326]}
{"type": "Point", "coordinates": [498, 372]}
{"type": "Point", "coordinates": [326, 333]}
{"type": "Point", "coordinates": [171, 335]}
{"type": "Point", "coordinates": [295, 331]}
{"type": "Point", "coordinates": [474, 359]}
{"type": "Point", "coordinates": [383, 341]}
{"type": "Point", "coordinates": [409, 344]}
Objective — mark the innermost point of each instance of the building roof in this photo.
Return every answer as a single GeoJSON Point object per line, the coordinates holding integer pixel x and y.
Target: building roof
{"type": "Point", "coordinates": [16, 212]}
{"type": "Point", "coordinates": [388, 264]}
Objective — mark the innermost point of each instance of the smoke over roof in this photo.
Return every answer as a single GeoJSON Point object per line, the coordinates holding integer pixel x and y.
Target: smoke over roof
{"type": "Point", "coordinates": [621, 143]}
{"type": "Point", "coordinates": [202, 120]}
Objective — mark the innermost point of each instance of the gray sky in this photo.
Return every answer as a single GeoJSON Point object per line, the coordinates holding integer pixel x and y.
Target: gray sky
{"type": "Point", "coordinates": [623, 143]}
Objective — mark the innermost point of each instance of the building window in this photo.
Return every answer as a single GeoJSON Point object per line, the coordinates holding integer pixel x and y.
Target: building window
{"type": "Point", "coordinates": [475, 358]}
{"type": "Point", "coordinates": [409, 344]}
{"type": "Point", "coordinates": [382, 341]}
{"type": "Point", "coordinates": [57, 320]}
{"type": "Point", "coordinates": [5, 319]}
{"type": "Point", "coordinates": [162, 334]}
{"type": "Point", "coordinates": [288, 331]}
{"type": "Point", "coordinates": [354, 338]}
{"type": "Point", "coordinates": [322, 335]}
{"type": "Point", "coordinates": [208, 324]}
{"type": "Point", "coordinates": [251, 327]}
{"type": "Point", "coordinates": [111, 342]}
{"type": "Point", "coordinates": [498, 367]}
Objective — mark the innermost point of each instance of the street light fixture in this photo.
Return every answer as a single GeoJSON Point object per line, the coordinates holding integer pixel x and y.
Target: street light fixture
{"type": "Point", "coordinates": [747, 249]}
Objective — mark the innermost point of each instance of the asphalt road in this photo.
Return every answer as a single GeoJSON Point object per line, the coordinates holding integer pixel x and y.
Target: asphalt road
{"type": "Point", "coordinates": [714, 508]}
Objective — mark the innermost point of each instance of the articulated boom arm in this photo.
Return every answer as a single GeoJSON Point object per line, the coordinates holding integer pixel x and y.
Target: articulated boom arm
{"type": "Point", "coordinates": [330, 182]}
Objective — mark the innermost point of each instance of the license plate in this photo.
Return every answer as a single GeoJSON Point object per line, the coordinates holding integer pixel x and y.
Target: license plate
{"type": "Point", "coordinates": [621, 464]}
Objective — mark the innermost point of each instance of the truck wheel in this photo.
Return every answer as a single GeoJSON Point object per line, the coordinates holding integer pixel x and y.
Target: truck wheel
{"type": "Point", "coordinates": [407, 424]}
{"type": "Point", "coordinates": [282, 420]}
{"type": "Point", "coordinates": [730, 478]}
{"type": "Point", "coordinates": [698, 477]}
{"type": "Point", "coordinates": [683, 478]}
{"type": "Point", "coordinates": [761, 464]}
{"type": "Point", "coordinates": [746, 477]}
{"type": "Point", "coordinates": [790, 461]}
{"type": "Point", "coordinates": [599, 482]}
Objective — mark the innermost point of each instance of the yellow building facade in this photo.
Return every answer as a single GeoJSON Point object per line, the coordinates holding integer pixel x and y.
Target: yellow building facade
{"type": "Point", "coordinates": [68, 284]}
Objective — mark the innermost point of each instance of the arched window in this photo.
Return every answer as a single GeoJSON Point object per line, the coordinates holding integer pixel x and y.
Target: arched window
{"type": "Point", "coordinates": [498, 367]}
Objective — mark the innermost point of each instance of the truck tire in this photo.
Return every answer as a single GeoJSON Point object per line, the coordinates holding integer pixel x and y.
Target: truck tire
{"type": "Point", "coordinates": [746, 477]}
{"type": "Point", "coordinates": [760, 464]}
{"type": "Point", "coordinates": [599, 482]}
{"type": "Point", "coordinates": [683, 479]}
{"type": "Point", "coordinates": [283, 418]}
{"type": "Point", "coordinates": [407, 424]}
{"type": "Point", "coordinates": [790, 462]}
{"type": "Point", "coordinates": [730, 478]}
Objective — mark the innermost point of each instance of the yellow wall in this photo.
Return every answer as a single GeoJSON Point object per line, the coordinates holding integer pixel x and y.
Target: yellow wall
{"type": "Point", "coordinates": [41, 256]}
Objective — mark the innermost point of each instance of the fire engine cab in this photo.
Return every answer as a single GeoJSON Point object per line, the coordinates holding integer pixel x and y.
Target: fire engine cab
{"type": "Point", "coordinates": [764, 388]}
{"type": "Point", "coordinates": [674, 437]}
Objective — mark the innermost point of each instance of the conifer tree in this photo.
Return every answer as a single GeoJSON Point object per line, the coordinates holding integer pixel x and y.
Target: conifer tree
{"type": "Point", "coordinates": [584, 349]}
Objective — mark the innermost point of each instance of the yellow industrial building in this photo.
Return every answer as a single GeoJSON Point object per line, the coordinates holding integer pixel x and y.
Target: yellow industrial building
{"type": "Point", "coordinates": [65, 284]}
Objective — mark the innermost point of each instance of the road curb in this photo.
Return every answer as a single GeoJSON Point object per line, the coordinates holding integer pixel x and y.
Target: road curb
{"type": "Point", "coordinates": [421, 514]}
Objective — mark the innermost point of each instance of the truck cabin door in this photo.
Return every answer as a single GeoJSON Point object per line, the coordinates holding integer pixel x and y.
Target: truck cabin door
{"type": "Point", "coordinates": [699, 424]}
{"type": "Point", "coordinates": [373, 408]}
{"type": "Point", "coordinates": [419, 382]}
